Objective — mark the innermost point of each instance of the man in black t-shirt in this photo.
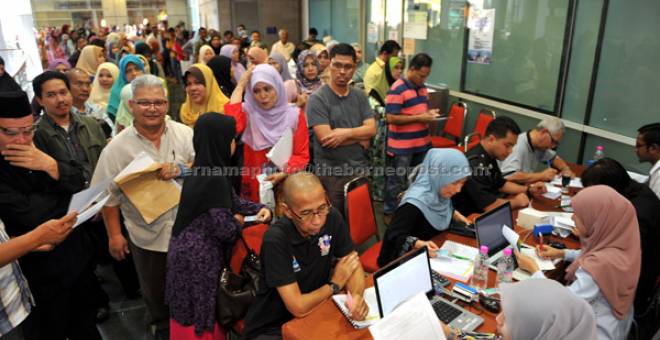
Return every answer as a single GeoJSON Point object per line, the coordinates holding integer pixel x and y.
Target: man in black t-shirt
{"type": "Point", "coordinates": [484, 190]}
{"type": "Point", "coordinates": [297, 257]}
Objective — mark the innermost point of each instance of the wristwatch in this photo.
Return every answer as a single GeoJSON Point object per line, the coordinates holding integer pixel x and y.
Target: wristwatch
{"type": "Point", "coordinates": [335, 288]}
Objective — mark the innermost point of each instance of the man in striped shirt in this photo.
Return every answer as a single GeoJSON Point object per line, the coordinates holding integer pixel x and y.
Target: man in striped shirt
{"type": "Point", "coordinates": [408, 118]}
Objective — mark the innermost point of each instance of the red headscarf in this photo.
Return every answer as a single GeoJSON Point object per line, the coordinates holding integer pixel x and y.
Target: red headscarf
{"type": "Point", "coordinates": [611, 251]}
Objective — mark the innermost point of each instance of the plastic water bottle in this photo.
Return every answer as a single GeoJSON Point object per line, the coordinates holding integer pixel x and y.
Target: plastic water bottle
{"type": "Point", "coordinates": [599, 154]}
{"type": "Point", "coordinates": [505, 267]}
{"type": "Point", "coordinates": [480, 274]}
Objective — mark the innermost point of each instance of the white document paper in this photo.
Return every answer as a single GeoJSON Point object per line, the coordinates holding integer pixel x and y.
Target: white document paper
{"type": "Point", "coordinates": [552, 192]}
{"type": "Point", "coordinates": [413, 319]}
{"type": "Point", "coordinates": [372, 303]}
{"type": "Point", "coordinates": [510, 236]}
{"type": "Point", "coordinates": [252, 218]}
{"type": "Point", "coordinates": [456, 261]}
{"type": "Point", "coordinates": [563, 222]}
{"type": "Point", "coordinates": [639, 178]}
{"type": "Point", "coordinates": [139, 163]}
{"type": "Point", "coordinates": [83, 199]}
{"type": "Point", "coordinates": [280, 153]}
{"type": "Point", "coordinates": [91, 211]}
{"type": "Point", "coordinates": [542, 263]}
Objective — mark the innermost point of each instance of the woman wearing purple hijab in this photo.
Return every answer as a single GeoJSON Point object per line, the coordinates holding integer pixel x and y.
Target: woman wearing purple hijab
{"type": "Point", "coordinates": [231, 51]}
{"type": "Point", "coordinates": [61, 65]}
{"type": "Point", "coordinates": [266, 115]}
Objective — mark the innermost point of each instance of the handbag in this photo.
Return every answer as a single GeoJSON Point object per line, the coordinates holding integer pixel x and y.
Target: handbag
{"type": "Point", "coordinates": [237, 291]}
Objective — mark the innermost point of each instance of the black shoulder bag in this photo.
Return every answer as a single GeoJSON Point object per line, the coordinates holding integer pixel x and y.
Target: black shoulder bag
{"type": "Point", "coordinates": [236, 292]}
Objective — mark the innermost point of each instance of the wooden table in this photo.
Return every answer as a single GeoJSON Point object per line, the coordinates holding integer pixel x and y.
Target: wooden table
{"type": "Point", "coordinates": [326, 322]}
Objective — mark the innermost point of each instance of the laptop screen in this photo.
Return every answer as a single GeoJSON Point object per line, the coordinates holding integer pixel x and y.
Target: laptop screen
{"type": "Point", "coordinates": [403, 279]}
{"type": "Point", "coordinates": [489, 228]}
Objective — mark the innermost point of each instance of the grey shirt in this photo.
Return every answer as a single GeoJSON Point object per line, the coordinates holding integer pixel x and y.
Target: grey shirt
{"type": "Point", "coordinates": [524, 157]}
{"type": "Point", "coordinates": [325, 107]}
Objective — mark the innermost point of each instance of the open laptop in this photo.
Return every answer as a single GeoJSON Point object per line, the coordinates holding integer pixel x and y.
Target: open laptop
{"type": "Point", "coordinates": [488, 228]}
{"type": "Point", "coordinates": [410, 275]}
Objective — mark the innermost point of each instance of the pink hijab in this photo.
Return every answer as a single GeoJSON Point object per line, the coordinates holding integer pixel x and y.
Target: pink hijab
{"type": "Point", "coordinates": [611, 251]}
{"type": "Point", "coordinates": [265, 127]}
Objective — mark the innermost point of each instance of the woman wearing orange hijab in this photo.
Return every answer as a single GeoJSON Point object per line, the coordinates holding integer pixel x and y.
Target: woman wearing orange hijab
{"type": "Point", "coordinates": [90, 58]}
{"type": "Point", "coordinates": [606, 270]}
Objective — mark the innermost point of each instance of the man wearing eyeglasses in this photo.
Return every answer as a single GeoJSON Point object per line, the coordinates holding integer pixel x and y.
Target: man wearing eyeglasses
{"type": "Point", "coordinates": [166, 142]}
{"type": "Point", "coordinates": [343, 124]}
{"type": "Point", "coordinates": [297, 257]}
{"type": "Point", "coordinates": [536, 148]}
{"type": "Point", "coordinates": [36, 187]}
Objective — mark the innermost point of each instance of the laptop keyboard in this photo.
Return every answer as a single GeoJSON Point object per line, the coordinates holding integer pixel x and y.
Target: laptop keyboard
{"type": "Point", "coordinates": [439, 280]}
{"type": "Point", "coordinates": [446, 312]}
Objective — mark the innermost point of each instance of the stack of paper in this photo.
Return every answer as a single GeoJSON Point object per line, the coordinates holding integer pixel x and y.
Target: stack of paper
{"type": "Point", "coordinates": [456, 261]}
{"type": "Point", "coordinates": [413, 319]}
{"type": "Point", "coordinates": [528, 217]}
{"type": "Point", "coordinates": [89, 202]}
{"type": "Point", "coordinates": [544, 264]}
{"type": "Point", "coordinates": [552, 192]}
{"type": "Point", "coordinates": [150, 195]}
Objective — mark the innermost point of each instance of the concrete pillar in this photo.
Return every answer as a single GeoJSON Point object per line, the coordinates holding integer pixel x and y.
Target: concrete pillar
{"type": "Point", "coordinates": [114, 12]}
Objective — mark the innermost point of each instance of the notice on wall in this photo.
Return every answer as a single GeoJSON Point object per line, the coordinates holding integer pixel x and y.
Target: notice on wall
{"type": "Point", "coordinates": [372, 33]}
{"type": "Point", "coordinates": [416, 27]}
{"type": "Point", "coordinates": [481, 23]}
{"type": "Point", "coordinates": [393, 35]}
{"type": "Point", "coordinates": [408, 46]}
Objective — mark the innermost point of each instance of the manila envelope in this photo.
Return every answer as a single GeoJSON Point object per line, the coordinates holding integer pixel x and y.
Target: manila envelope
{"type": "Point", "coordinates": [151, 196]}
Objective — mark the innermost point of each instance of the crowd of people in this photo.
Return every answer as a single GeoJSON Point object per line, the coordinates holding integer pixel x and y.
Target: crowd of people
{"type": "Point", "coordinates": [104, 100]}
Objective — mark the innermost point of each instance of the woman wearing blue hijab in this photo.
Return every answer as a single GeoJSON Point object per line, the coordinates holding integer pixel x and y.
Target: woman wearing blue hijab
{"type": "Point", "coordinates": [130, 66]}
{"type": "Point", "coordinates": [425, 209]}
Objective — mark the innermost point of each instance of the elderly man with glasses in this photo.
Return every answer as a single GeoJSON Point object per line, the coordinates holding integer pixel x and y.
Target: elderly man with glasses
{"type": "Point", "coordinates": [297, 257]}
{"type": "Point", "coordinates": [536, 148]}
{"type": "Point", "coordinates": [166, 142]}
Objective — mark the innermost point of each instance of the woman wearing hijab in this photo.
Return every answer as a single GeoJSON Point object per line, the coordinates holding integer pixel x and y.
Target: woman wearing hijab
{"type": "Point", "coordinates": [278, 61]}
{"type": "Point", "coordinates": [222, 71]}
{"type": "Point", "coordinates": [231, 51]}
{"type": "Point", "coordinates": [130, 66]}
{"type": "Point", "coordinates": [216, 43]}
{"type": "Point", "coordinates": [268, 116]}
{"type": "Point", "coordinates": [609, 172]}
{"type": "Point", "coordinates": [91, 57]}
{"type": "Point", "coordinates": [204, 233]}
{"type": "Point", "coordinates": [7, 83]}
{"type": "Point", "coordinates": [205, 54]}
{"type": "Point", "coordinates": [554, 314]}
{"type": "Point", "coordinates": [394, 70]}
{"type": "Point", "coordinates": [55, 51]}
{"type": "Point", "coordinates": [426, 209]}
{"type": "Point", "coordinates": [202, 94]}
{"type": "Point", "coordinates": [307, 72]}
{"type": "Point", "coordinates": [106, 75]}
{"type": "Point", "coordinates": [606, 270]}
{"type": "Point", "coordinates": [59, 65]}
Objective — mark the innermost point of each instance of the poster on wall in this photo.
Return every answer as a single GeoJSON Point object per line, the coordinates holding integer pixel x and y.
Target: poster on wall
{"type": "Point", "coordinates": [416, 26]}
{"type": "Point", "coordinates": [393, 35]}
{"type": "Point", "coordinates": [372, 33]}
{"type": "Point", "coordinates": [481, 23]}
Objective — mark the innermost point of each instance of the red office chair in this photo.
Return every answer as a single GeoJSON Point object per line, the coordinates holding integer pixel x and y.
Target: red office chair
{"type": "Point", "coordinates": [362, 221]}
{"type": "Point", "coordinates": [253, 236]}
{"type": "Point", "coordinates": [453, 127]}
{"type": "Point", "coordinates": [472, 139]}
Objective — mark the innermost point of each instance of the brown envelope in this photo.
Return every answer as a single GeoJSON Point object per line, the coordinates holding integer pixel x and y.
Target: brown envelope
{"type": "Point", "coordinates": [151, 196]}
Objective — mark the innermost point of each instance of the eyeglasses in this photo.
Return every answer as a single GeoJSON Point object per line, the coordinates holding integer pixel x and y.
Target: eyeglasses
{"type": "Point", "coordinates": [157, 104]}
{"type": "Point", "coordinates": [25, 131]}
{"type": "Point", "coordinates": [308, 215]}
{"type": "Point", "coordinates": [340, 66]}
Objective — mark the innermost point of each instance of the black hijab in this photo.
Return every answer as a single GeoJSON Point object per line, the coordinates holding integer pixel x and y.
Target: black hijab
{"type": "Point", "coordinates": [7, 83]}
{"type": "Point", "coordinates": [221, 67]}
{"type": "Point", "coordinates": [213, 134]}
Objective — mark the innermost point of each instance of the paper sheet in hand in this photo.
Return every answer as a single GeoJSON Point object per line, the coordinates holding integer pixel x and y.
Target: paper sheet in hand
{"type": "Point", "coordinates": [91, 211]}
{"type": "Point", "coordinates": [84, 199]}
{"type": "Point", "coordinates": [542, 263]}
{"type": "Point", "coordinates": [369, 298]}
{"type": "Point", "coordinates": [552, 192]}
{"type": "Point", "coordinates": [150, 195]}
{"type": "Point", "coordinates": [511, 236]}
{"type": "Point", "coordinates": [413, 319]}
{"type": "Point", "coordinates": [639, 178]}
{"type": "Point", "coordinates": [280, 153]}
